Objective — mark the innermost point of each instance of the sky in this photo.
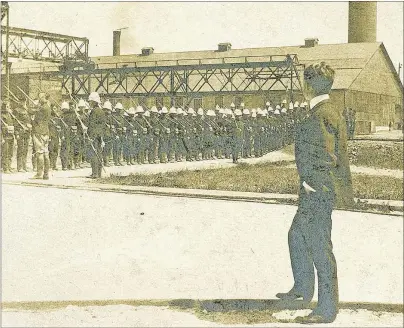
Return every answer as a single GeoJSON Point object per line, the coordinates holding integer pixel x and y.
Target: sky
{"type": "Point", "coordinates": [185, 26]}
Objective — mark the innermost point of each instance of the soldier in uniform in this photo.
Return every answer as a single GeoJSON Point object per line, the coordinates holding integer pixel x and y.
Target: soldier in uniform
{"type": "Point", "coordinates": [256, 126]}
{"type": "Point", "coordinates": [108, 136]}
{"type": "Point", "coordinates": [200, 137]}
{"type": "Point", "coordinates": [227, 135]}
{"type": "Point", "coordinates": [237, 131]}
{"type": "Point", "coordinates": [352, 115]}
{"type": "Point", "coordinates": [7, 133]}
{"type": "Point", "coordinates": [149, 137]}
{"type": "Point", "coordinates": [96, 129]}
{"type": "Point", "coordinates": [173, 134]}
{"type": "Point", "coordinates": [40, 130]}
{"type": "Point", "coordinates": [141, 141]}
{"type": "Point", "coordinates": [55, 133]}
{"type": "Point", "coordinates": [210, 128]}
{"type": "Point", "coordinates": [118, 134]}
{"type": "Point", "coordinates": [164, 135]}
{"type": "Point", "coordinates": [23, 129]}
{"type": "Point", "coordinates": [82, 119]}
{"type": "Point", "coordinates": [220, 134]}
{"type": "Point", "coordinates": [155, 130]}
{"type": "Point", "coordinates": [66, 150]}
{"type": "Point", "coordinates": [128, 148]}
{"type": "Point", "coordinates": [247, 146]}
{"type": "Point", "coordinates": [192, 135]}
{"type": "Point", "coordinates": [182, 135]}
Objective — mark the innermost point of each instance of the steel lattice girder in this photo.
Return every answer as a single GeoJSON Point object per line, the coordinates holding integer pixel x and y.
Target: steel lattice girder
{"type": "Point", "coordinates": [188, 81]}
{"type": "Point", "coordinates": [44, 46]}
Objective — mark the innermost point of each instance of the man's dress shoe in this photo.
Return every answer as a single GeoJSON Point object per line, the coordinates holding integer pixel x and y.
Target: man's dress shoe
{"type": "Point", "coordinates": [293, 295]}
{"type": "Point", "coordinates": [315, 318]}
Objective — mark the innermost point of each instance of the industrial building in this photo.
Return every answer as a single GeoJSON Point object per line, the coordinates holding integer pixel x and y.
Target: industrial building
{"type": "Point", "coordinates": [366, 79]}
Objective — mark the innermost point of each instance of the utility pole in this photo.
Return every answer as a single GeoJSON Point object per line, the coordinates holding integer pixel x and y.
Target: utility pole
{"type": "Point", "coordinates": [5, 12]}
{"type": "Point", "coordinates": [399, 69]}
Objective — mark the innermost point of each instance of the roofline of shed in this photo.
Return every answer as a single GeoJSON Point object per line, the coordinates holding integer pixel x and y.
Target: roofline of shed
{"type": "Point", "coordinates": [392, 67]}
{"type": "Point", "coordinates": [233, 49]}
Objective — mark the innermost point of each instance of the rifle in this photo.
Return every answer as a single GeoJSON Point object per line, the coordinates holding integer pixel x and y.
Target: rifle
{"type": "Point", "coordinates": [142, 127]}
{"type": "Point", "coordinates": [13, 95]}
{"type": "Point", "coordinates": [18, 121]}
{"type": "Point", "coordinates": [175, 122]}
{"type": "Point", "coordinates": [49, 106]}
{"type": "Point", "coordinates": [147, 122]}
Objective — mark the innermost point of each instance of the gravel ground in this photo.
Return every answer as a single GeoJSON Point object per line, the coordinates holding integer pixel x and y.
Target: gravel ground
{"type": "Point", "coordinates": [148, 316]}
{"type": "Point", "coordinates": [84, 245]}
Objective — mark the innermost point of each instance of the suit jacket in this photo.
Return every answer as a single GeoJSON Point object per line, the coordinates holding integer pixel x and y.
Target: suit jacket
{"type": "Point", "coordinates": [321, 153]}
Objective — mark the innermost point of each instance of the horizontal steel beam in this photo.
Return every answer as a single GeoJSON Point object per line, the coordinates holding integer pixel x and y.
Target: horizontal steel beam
{"type": "Point", "coordinates": [23, 32]}
{"type": "Point", "coordinates": [181, 94]}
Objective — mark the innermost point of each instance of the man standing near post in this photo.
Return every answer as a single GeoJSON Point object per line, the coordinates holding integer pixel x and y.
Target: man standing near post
{"type": "Point", "coordinates": [325, 181]}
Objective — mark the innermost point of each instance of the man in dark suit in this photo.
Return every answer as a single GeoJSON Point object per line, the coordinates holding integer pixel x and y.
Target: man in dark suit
{"type": "Point", "coordinates": [325, 181]}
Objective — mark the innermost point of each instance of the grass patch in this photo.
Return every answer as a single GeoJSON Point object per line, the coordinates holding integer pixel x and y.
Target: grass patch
{"type": "Point", "coordinates": [260, 178]}
{"type": "Point", "coordinates": [376, 154]}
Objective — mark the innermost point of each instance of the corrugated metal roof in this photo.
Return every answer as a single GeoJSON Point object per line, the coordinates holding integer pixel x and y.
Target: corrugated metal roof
{"type": "Point", "coordinates": [348, 59]}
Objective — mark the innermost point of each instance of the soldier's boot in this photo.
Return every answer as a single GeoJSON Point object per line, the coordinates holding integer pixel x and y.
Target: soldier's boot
{"type": "Point", "coordinates": [163, 157]}
{"type": "Point", "coordinates": [39, 167]}
{"type": "Point", "coordinates": [19, 164]}
{"type": "Point", "coordinates": [76, 162]}
{"type": "Point", "coordinates": [99, 170]}
{"type": "Point", "coordinates": [24, 165]}
{"type": "Point", "coordinates": [127, 160]}
{"type": "Point", "coordinates": [46, 167]}
{"type": "Point", "coordinates": [34, 162]}
{"type": "Point", "coordinates": [115, 159]}
{"type": "Point", "coordinates": [53, 159]}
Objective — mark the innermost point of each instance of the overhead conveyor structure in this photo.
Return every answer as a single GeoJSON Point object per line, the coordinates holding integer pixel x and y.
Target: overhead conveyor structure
{"type": "Point", "coordinates": [44, 46]}
{"type": "Point", "coordinates": [188, 78]}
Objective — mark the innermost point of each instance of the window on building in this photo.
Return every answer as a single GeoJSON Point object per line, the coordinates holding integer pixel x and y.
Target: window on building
{"type": "Point", "coordinates": [197, 103]}
{"type": "Point", "coordinates": [179, 102]}
{"type": "Point", "coordinates": [219, 101]}
{"type": "Point", "coordinates": [238, 100]}
{"type": "Point", "coordinates": [159, 102]}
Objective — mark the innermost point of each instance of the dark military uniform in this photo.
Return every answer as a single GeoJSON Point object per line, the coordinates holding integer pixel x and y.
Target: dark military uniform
{"type": "Point", "coordinates": [248, 137]}
{"type": "Point", "coordinates": [23, 130]}
{"type": "Point", "coordinates": [118, 136]}
{"type": "Point", "coordinates": [69, 139]}
{"type": "Point", "coordinates": [163, 140]}
{"type": "Point", "coordinates": [108, 137]}
{"type": "Point", "coordinates": [96, 130]}
{"type": "Point", "coordinates": [40, 130]}
{"type": "Point", "coordinates": [7, 138]}
{"type": "Point", "coordinates": [55, 132]}
{"type": "Point", "coordinates": [154, 140]}
{"type": "Point", "coordinates": [237, 134]}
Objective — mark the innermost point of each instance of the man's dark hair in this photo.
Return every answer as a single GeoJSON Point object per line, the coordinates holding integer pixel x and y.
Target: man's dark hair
{"type": "Point", "coordinates": [320, 77]}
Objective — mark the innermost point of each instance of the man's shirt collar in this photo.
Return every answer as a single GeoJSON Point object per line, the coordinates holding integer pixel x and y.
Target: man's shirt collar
{"type": "Point", "coordinates": [318, 99]}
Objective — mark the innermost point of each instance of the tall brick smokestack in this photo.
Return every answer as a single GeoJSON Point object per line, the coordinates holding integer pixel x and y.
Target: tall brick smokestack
{"type": "Point", "coordinates": [116, 51]}
{"type": "Point", "coordinates": [362, 21]}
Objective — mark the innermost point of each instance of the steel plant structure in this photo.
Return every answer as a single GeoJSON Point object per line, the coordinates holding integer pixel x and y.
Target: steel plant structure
{"type": "Point", "coordinates": [242, 75]}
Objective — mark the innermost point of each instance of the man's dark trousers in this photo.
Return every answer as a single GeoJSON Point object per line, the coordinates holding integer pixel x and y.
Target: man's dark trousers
{"type": "Point", "coordinates": [310, 243]}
